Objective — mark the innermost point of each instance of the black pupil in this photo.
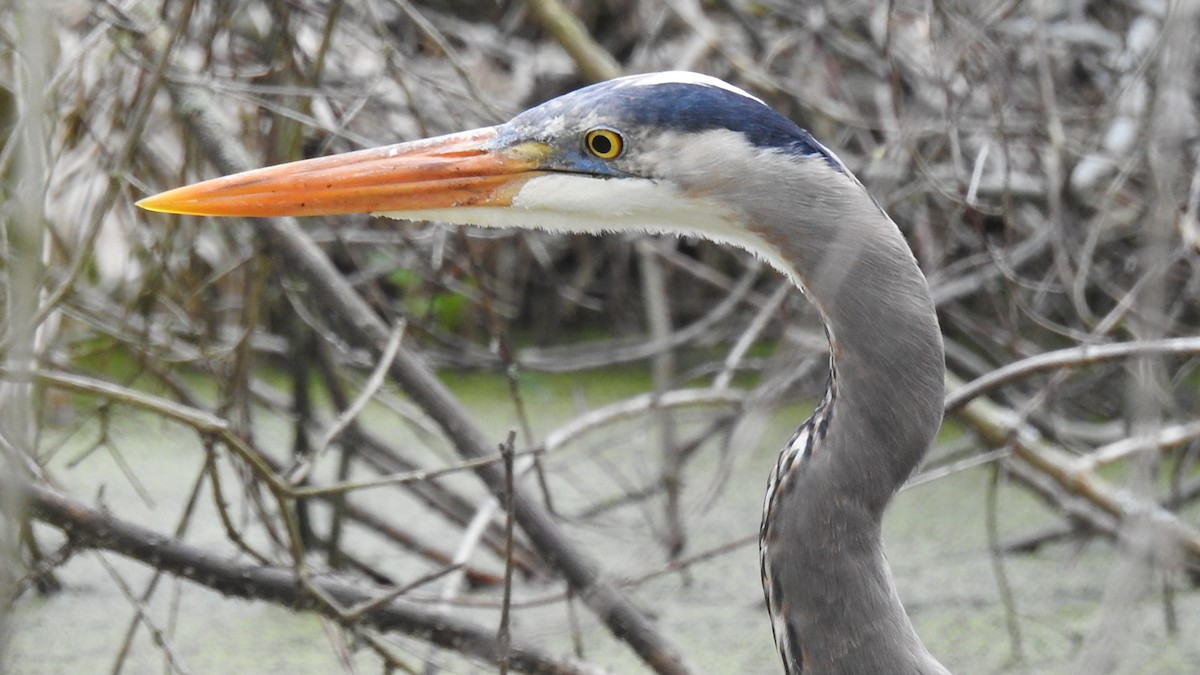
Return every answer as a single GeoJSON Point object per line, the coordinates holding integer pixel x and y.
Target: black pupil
{"type": "Point", "coordinates": [602, 144]}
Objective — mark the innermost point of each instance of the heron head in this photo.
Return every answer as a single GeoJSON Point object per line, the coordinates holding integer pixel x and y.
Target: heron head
{"type": "Point", "coordinates": [656, 152]}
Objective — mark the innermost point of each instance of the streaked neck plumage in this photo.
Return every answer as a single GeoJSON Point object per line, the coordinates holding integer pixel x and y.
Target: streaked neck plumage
{"type": "Point", "coordinates": [834, 606]}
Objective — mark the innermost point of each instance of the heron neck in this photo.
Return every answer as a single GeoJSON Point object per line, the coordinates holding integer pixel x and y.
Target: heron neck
{"type": "Point", "coordinates": [885, 343]}
{"type": "Point", "coordinates": [887, 360]}
{"type": "Point", "coordinates": [833, 601]}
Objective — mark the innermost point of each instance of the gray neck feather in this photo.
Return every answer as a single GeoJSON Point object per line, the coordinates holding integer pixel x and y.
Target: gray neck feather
{"type": "Point", "coordinates": [822, 546]}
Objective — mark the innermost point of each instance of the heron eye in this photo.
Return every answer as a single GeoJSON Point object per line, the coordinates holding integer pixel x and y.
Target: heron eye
{"type": "Point", "coordinates": [604, 143]}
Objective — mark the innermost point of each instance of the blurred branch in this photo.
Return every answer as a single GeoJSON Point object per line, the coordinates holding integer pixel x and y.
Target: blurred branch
{"type": "Point", "coordinates": [90, 528]}
{"type": "Point", "coordinates": [593, 62]}
{"type": "Point", "coordinates": [1176, 543]}
{"type": "Point", "coordinates": [1071, 357]}
{"type": "Point", "coordinates": [637, 406]}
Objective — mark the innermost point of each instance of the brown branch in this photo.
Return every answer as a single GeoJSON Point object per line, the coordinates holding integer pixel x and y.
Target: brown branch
{"type": "Point", "coordinates": [1177, 542]}
{"type": "Point", "coordinates": [591, 59]}
{"type": "Point", "coordinates": [89, 528]}
{"type": "Point", "coordinates": [1072, 357]}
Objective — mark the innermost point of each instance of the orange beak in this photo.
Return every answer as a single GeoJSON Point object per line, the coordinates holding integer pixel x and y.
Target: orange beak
{"type": "Point", "coordinates": [447, 171]}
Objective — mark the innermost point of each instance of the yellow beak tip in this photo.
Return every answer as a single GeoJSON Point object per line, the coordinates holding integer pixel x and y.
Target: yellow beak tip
{"type": "Point", "coordinates": [163, 202]}
{"type": "Point", "coordinates": [151, 204]}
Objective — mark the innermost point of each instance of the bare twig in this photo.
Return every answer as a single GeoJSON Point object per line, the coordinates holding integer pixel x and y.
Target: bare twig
{"type": "Point", "coordinates": [1072, 357]}
{"type": "Point", "coordinates": [591, 59]}
{"type": "Point", "coordinates": [91, 528]}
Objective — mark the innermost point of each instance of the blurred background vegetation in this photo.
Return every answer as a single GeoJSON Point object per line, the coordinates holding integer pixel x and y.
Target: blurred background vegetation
{"type": "Point", "coordinates": [183, 398]}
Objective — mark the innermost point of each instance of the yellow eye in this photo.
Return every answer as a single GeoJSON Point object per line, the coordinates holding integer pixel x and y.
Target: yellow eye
{"type": "Point", "coordinates": [604, 143]}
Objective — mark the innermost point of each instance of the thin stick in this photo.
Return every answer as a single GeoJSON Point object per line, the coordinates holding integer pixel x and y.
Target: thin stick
{"type": "Point", "coordinates": [1083, 355]}
{"type": "Point", "coordinates": [503, 634]}
{"type": "Point", "coordinates": [91, 528]}
{"type": "Point", "coordinates": [374, 382]}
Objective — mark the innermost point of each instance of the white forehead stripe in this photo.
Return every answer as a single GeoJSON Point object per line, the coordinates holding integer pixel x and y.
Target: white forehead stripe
{"type": "Point", "coordinates": [681, 77]}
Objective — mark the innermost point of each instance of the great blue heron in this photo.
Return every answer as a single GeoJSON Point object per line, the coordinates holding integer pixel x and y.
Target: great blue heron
{"type": "Point", "coordinates": [690, 154]}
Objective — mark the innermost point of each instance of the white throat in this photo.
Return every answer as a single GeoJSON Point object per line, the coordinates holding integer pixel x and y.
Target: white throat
{"type": "Point", "coordinates": [569, 203]}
